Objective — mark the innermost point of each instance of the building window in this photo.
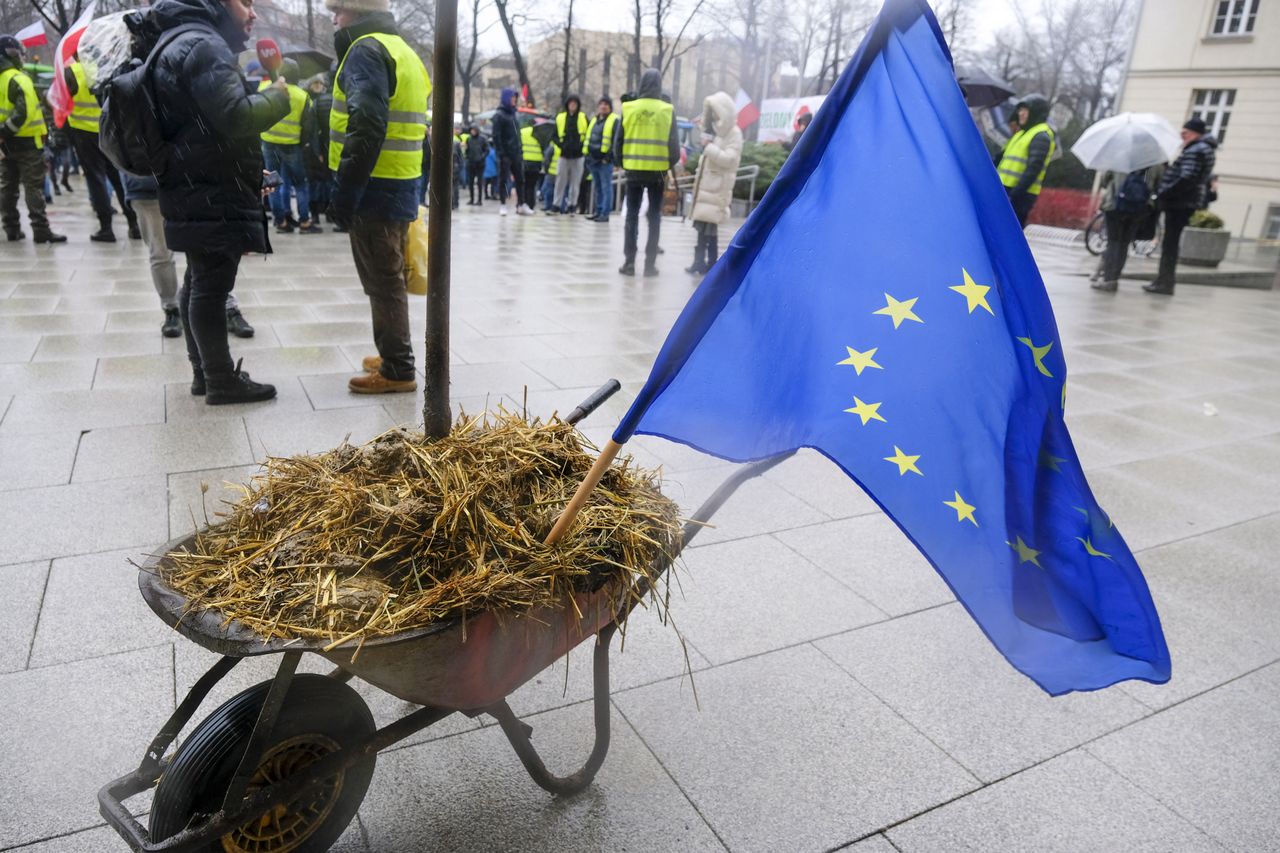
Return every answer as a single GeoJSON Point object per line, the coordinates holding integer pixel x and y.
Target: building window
{"type": "Point", "coordinates": [1213, 107]}
{"type": "Point", "coordinates": [1234, 17]}
{"type": "Point", "coordinates": [1271, 227]}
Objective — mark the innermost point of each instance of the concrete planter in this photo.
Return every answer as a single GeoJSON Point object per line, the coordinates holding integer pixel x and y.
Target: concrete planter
{"type": "Point", "coordinates": [1203, 247]}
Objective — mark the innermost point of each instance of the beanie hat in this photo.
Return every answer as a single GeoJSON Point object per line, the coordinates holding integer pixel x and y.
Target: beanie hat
{"type": "Point", "coordinates": [1195, 125]}
{"type": "Point", "coordinates": [358, 5]}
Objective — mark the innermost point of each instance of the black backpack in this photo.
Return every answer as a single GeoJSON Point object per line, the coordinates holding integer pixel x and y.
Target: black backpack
{"type": "Point", "coordinates": [129, 130]}
{"type": "Point", "coordinates": [1134, 195]}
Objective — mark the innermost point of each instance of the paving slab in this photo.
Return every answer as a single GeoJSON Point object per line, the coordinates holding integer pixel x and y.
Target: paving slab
{"type": "Point", "coordinates": [1069, 804]}
{"type": "Point", "coordinates": [31, 460]}
{"type": "Point", "coordinates": [758, 506]}
{"type": "Point", "coordinates": [81, 410]}
{"type": "Point", "coordinates": [65, 744]}
{"type": "Point", "coordinates": [181, 406]}
{"type": "Point", "coordinates": [197, 498]}
{"type": "Point", "coordinates": [104, 838]}
{"type": "Point", "coordinates": [1211, 759]}
{"type": "Point", "coordinates": [129, 371]}
{"type": "Point", "coordinates": [940, 672]}
{"type": "Point", "coordinates": [161, 448]}
{"type": "Point", "coordinates": [107, 514]}
{"type": "Point", "coordinates": [57, 347]}
{"type": "Point", "coordinates": [47, 376]}
{"type": "Point", "coordinates": [815, 760]}
{"type": "Point", "coordinates": [314, 432]}
{"type": "Point", "coordinates": [24, 585]}
{"type": "Point", "coordinates": [470, 793]}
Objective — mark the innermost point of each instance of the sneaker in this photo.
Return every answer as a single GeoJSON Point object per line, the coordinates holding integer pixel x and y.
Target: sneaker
{"type": "Point", "coordinates": [338, 229]}
{"type": "Point", "coordinates": [1154, 287]}
{"type": "Point", "coordinates": [284, 228]}
{"type": "Point", "coordinates": [50, 237]}
{"type": "Point", "coordinates": [135, 233]}
{"type": "Point", "coordinates": [309, 227]}
{"type": "Point", "coordinates": [696, 269]}
{"type": "Point", "coordinates": [172, 327]}
{"type": "Point", "coordinates": [627, 268]}
{"type": "Point", "coordinates": [371, 363]}
{"type": "Point", "coordinates": [1106, 286]}
{"type": "Point", "coordinates": [524, 210]}
{"type": "Point", "coordinates": [103, 235]}
{"type": "Point", "coordinates": [650, 271]}
{"type": "Point", "coordinates": [601, 219]}
{"type": "Point", "coordinates": [550, 212]}
{"type": "Point", "coordinates": [66, 185]}
{"type": "Point", "coordinates": [238, 325]}
{"type": "Point", "coordinates": [376, 383]}
{"type": "Point", "coordinates": [236, 387]}
{"type": "Point", "coordinates": [502, 210]}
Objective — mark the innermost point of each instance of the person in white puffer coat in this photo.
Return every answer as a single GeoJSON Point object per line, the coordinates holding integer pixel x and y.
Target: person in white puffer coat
{"type": "Point", "coordinates": [717, 172]}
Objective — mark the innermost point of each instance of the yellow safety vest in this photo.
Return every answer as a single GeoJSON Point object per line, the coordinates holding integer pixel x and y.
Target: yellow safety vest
{"type": "Point", "coordinates": [554, 168]}
{"type": "Point", "coordinates": [401, 154]}
{"type": "Point", "coordinates": [530, 150]}
{"type": "Point", "coordinates": [606, 139]}
{"type": "Point", "coordinates": [33, 127]}
{"type": "Point", "coordinates": [563, 118]}
{"type": "Point", "coordinates": [646, 127]}
{"type": "Point", "coordinates": [85, 110]}
{"type": "Point", "coordinates": [1013, 162]}
{"type": "Point", "coordinates": [287, 131]}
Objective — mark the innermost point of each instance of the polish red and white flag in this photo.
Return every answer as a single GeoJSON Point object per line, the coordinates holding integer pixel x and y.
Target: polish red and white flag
{"type": "Point", "coordinates": [59, 95]}
{"type": "Point", "coordinates": [748, 112]}
{"type": "Point", "coordinates": [32, 36]}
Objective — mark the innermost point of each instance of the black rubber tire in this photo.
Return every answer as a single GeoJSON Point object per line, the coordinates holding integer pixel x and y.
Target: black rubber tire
{"type": "Point", "coordinates": [319, 713]}
{"type": "Point", "coordinates": [1095, 235]}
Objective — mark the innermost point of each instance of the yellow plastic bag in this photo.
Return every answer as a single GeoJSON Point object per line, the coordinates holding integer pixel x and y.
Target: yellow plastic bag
{"type": "Point", "coordinates": [415, 255]}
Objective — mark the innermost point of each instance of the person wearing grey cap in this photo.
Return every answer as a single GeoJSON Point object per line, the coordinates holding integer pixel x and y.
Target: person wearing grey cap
{"type": "Point", "coordinates": [22, 132]}
{"type": "Point", "coordinates": [1182, 192]}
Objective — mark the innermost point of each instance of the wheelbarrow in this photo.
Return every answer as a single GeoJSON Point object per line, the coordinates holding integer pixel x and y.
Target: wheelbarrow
{"type": "Point", "coordinates": [284, 765]}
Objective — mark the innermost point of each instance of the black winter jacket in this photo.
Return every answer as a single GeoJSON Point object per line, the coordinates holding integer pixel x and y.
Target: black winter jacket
{"type": "Point", "coordinates": [211, 177]}
{"type": "Point", "coordinates": [506, 134]}
{"type": "Point", "coordinates": [1185, 183]}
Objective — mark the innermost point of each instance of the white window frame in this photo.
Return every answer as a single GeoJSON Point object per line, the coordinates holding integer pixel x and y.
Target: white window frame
{"type": "Point", "coordinates": [1233, 18]}
{"type": "Point", "coordinates": [1213, 107]}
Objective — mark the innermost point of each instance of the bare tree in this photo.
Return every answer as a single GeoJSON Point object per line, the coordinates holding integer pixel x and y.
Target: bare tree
{"type": "Point", "coordinates": [568, 48]}
{"type": "Point", "coordinates": [468, 71]}
{"type": "Point", "coordinates": [509, 19]}
{"type": "Point", "coordinates": [670, 49]}
{"type": "Point", "coordinates": [956, 19]}
{"type": "Point", "coordinates": [60, 14]}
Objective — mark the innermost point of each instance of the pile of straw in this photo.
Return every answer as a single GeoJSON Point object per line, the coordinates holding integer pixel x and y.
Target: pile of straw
{"type": "Point", "coordinates": [396, 534]}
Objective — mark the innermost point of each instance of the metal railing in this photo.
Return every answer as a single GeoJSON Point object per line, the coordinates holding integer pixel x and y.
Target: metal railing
{"type": "Point", "coordinates": [684, 186]}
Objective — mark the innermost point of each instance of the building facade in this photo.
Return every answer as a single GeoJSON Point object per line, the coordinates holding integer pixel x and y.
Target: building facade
{"type": "Point", "coordinates": [1218, 60]}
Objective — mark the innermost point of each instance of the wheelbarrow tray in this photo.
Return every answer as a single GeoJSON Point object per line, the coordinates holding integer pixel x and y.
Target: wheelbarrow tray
{"type": "Point", "coordinates": [459, 664]}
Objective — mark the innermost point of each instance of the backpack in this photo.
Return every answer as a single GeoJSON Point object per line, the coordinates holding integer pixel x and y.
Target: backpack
{"type": "Point", "coordinates": [1134, 195]}
{"type": "Point", "coordinates": [129, 131]}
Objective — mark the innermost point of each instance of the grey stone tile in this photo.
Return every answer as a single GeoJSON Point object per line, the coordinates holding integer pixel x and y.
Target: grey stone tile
{"type": "Point", "coordinates": [1068, 804]}
{"type": "Point", "coordinates": [131, 371]}
{"type": "Point", "coordinates": [820, 483]}
{"type": "Point", "coordinates": [473, 380]}
{"type": "Point", "coordinates": [315, 432]}
{"type": "Point", "coordinates": [532, 323]}
{"type": "Point", "coordinates": [108, 302]}
{"type": "Point", "coordinates": [754, 595]}
{"type": "Point", "coordinates": [1211, 759]}
{"type": "Point", "coordinates": [181, 407]}
{"type": "Point", "coordinates": [78, 739]}
{"type": "Point", "coordinates": [15, 305]}
{"type": "Point", "coordinates": [301, 298]}
{"type": "Point", "coordinates": [160, 449]}
{"type": "Point", "coordinates": [49, 324]}
{"type": "Point", "coordinates": [577, 371]}
{"type": "Point", "coordinates": [81, 518]}
{"type": "Point", "coordinates": [791, 722]}
{"type": "Point", "coordinates": [329, 391]}
{"type": "Point", "coordinates": [1107, 438]}
{"type": "Point", "coordinates": [47, 376]}
{"type": "Point", "coordinates": [24, 585]}
{"type": "Point", "coordinates": [874, 844]}
{"type": "Point", "coordinates": [758, 506]}
{"type": "Point", "coordinates": [1201, 493]}
{"type": "Point", "coordinates": [105, 838]}
{"type": "Point", "coordinates": [18, 347]}
{"type": "Point", "coordinates": [81, 410]}
{"type": "Point", "coordinates": [489, 802]}
{"type": "Point", "coordinates": [871, 556]}
{"type": "Point", "coordinates": [36, 459]}
{"type": "Point", "coordinates": [516, 348]}
{"type": "Point", "coordinates": [290, 360]}
{"type": "Point", "coordinates": [323, 334]}
{"type": "Point", "coordinates": [940, 673]}
{"type": "Point", "coordinates": [1198, 419]}
{"type": "Point", "coordinates": [190, 506]}
{"type": "Point", "coordinates": [1145, 516]}
{"type": "Point", "coordinates": [92, 607]}
{"type": "Point", "coordinates": [101, 344]}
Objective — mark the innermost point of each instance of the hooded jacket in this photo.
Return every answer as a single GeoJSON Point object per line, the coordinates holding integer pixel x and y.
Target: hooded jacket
{"type": "Point", "coordinates": [573, 144]}
{"type": "Point", "coordinates": [211, 177]}
{"type": "Point", "coordinates": [718, 165]}
{"type": "Point", "coordinates": [506, 129]}
{"type": "Point", "coordinates": [368, 79]}
{"type": "Point", "coordinates": [17, 118]}
{"type": "Point", "coordinates": [650, 87]}
{"type": "Point", "coordinates": [1185, 184]}
{"type": "Point", "coordinates": [1038, 149]}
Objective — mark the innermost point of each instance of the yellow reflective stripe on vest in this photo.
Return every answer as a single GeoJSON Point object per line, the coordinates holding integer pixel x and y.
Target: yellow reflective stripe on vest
{"type": "Point", "coordinates": [33, 125]}
{"type": "Point", "coordinates": [554, 168]}
{"type": "Point", "coordinates": [287, 131]}
{"type": "Point", "coordinates": [529, 147]}
{"type": "Point", "coordinates": [646, 127]}
{"type": "Point", "coordinates": [562, 119]}
{"type": "Point", "coordinates": [1013, 162]}
{"type": "Point", "coordinates": [85, 110]}
{"type": "Point", "coordinates": [400, 156]}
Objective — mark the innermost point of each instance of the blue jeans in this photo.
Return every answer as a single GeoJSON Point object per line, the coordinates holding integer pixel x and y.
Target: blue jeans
{"type": "Point", "coordinates": [549, 192]}
{"type": "Point", "coordinates": [287, 160]}
{"type": "Point", "coordinates": [602, 183]}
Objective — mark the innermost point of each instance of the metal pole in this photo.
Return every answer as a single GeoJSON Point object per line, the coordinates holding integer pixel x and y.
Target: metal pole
{"type": "Point", "coordinates": [436, 415]}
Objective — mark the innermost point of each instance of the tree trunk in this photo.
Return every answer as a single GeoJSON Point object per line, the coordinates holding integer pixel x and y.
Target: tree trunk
{"type": "Point", "coordinates": [522, 72]}
{"type": "Point", "coordinates": [568, 47]}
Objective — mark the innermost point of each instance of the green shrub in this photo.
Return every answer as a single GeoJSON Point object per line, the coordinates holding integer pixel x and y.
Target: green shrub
{"type": "Point", "coordinates": [1205, 219]}
{"type": "Point", "coordinates": [769, 158]}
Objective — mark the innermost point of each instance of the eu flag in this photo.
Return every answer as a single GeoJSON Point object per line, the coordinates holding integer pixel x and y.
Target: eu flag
{"type": "Point", "coordinates": [881, 306]}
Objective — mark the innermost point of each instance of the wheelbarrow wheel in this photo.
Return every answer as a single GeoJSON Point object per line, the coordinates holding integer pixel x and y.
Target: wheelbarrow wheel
{"type": "Point", "coordinates": [319, 716]}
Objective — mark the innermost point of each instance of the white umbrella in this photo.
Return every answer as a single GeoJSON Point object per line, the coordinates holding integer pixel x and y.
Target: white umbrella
{"type": "Point", "coordinates": [1127, 142]}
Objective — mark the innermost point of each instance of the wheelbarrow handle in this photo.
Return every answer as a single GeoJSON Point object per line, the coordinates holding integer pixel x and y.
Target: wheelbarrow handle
{"type": "Point", "coordinates": [593, 402]}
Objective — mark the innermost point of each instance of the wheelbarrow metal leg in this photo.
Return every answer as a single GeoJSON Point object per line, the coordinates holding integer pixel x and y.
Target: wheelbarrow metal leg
{"type": "Point", "coordinates": [262, 729]}
{"type": "Point", "coordinates": [155, 752]}
{"type": "Point", "coordinates": [518, 732]}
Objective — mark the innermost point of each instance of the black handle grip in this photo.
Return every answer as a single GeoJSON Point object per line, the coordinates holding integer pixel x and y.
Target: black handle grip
{"type": "Point", "coordinates": [589, 405]}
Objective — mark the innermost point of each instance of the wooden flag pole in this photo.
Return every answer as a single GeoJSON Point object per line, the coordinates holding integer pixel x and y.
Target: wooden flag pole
{"type": "Point", "coordinates": [579, 499]}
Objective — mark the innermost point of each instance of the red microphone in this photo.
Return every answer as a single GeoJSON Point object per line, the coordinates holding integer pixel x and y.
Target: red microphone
{"type": "Point", "coordinates": [269, 56]}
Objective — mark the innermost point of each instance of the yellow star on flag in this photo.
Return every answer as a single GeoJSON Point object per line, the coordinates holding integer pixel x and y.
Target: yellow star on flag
{"type": "Point", "coordinates": [1089, 549]}
{"type": "Point", "coordinates": [1038, 353]}
{"type": "Point", "coordinates": [860, 361]}
{"type": "Point", "coordinates": [964, 511]}
{"type": "Point", "coordinates": [899, 311]}
{"type": "Point", "coordinates": [866, 411]}
{"type": "Point", "coordinates": [975, 294]}
{"type": "Point", "coordinates": [1048, 460]}
{"type": "Point", "coordinates": [904, 462]}
{"type": "Point", "coordinates": [1026, 554]}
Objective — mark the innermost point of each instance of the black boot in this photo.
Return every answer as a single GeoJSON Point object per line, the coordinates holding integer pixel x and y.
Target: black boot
{"type": "Point", "coordinates": [198, 388]}
{"type": "Point", "coordinates": [238, 325]}
{"type": "Point", "coordinates": [628, 268]}
{"type": "Point", "coordinates": [14, 236]}
{"type": "Point", "coordinates": [104, 234]}
{"type": "Point", "coordinates": [236, 387]}
{"type": "Point", "coordinates": [172, 327]}
{"type": "Point", "coordinates": [49, 237]}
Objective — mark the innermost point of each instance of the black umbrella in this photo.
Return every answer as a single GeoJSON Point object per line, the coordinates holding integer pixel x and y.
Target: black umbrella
{"type": "Point", "coordinates": [311, 61]}
{"type": "Point", "coordinates": [982, 89]}
{"type": "Point", "coordinates": [544, 133]}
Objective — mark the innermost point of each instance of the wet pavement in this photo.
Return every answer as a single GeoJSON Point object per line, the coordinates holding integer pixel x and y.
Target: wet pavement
{"type": "Point", "coordinates": [843, 697]}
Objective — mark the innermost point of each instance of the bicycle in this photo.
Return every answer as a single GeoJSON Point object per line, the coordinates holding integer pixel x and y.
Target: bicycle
{"type": "Point", "coordinates": [1095, 238]}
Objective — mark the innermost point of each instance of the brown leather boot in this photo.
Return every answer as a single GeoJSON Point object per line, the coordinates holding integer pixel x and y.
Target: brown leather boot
{"type": "Point", "coordinates": [376, 383]}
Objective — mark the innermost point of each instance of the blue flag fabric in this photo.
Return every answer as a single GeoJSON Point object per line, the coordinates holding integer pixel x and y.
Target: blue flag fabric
{"type": "Point", "coordinates": [882, 306]}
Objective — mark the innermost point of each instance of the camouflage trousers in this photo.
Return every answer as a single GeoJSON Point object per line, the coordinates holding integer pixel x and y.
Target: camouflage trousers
{"type": "Point", "coordinates": [22, 169]}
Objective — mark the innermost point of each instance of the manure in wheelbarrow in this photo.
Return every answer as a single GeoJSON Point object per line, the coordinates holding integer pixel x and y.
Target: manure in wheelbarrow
{"type": "Point", "coordinates": [402, 532]}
